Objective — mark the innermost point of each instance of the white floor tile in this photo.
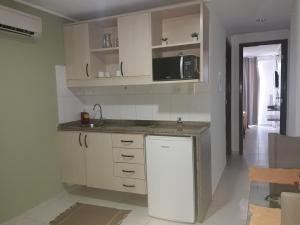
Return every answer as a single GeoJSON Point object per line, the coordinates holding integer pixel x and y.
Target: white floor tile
{"type": "Point", "coordinates": [155, 221]}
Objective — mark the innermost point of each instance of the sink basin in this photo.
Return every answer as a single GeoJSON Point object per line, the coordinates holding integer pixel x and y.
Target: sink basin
{"type": "Point", "coordinates": [93, 124]}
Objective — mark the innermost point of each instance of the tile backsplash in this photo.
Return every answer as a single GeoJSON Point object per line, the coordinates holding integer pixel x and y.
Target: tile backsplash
{"type": "Point", "coordinates": [146, 102]}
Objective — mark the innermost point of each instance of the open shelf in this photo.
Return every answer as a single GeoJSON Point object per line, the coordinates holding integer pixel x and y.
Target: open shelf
{"type": "Point", "coordinates": [186, 45]}
{"type": "Point", "coordinates": [105, 50]}
{"type": "Point", "coordinates": [165, 24]}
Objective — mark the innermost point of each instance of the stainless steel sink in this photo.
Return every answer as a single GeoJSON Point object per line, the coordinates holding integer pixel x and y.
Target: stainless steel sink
{"type": "Point", "coordinates": [93, 124]}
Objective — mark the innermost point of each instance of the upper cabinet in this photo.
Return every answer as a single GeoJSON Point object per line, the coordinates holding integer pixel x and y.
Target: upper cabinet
{"type": "Point", "coordinates": [77, 51]}
{"type": "Point", "coordinates": [119, 50]}
{"type": "Point", "coordinates": [185, 30]}
{"type": "Point", "coordinates": [135, 44]}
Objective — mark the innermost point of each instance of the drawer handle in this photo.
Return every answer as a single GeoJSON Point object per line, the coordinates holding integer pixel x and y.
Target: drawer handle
{"type": "Point", "coordinates": [165, 146]}
{"type": "Point", "coordinates": [128, 171]}
{"type": "Point", "coordinates": [126, 141]}
{"type": "Point", "coordinates": [127, 156]}
{"type": "Point", "coordinates": [128, 186]}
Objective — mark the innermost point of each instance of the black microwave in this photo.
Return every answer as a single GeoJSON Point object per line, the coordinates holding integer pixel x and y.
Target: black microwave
{"type": "Point", "coordinates": [185, 67]}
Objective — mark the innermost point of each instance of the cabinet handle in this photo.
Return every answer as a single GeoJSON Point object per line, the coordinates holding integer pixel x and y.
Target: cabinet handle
{"type": "Point", "coordinates": [128, 186]}
{"type": "Point", "coordinates": [85, 142]}
{"type": "Point", "coordinates": [128, 171]}
{"type": "Point", "coordinates": [87, 70]}
{"type": "Point", "coordinates": [127, 156]}
{"type": "Point", "coordinates": [181, 67]}
{"type": "Point", "coordinates": [122, 69]}
{"type": "Point", "coordinates": [126, 141]}
{"type": "Point", "coordinates": [79, 139]}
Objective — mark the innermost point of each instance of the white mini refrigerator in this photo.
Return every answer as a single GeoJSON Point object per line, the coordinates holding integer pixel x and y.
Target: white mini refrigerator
{"type": "Point", "coordinates": [171, 178]}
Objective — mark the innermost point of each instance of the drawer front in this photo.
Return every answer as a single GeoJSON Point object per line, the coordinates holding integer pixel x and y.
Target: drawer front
{"type": "Point", "coordinates": [127, 170]}
{"type": "Point", "coordinates": [136, 186]}
{"type": "Point", "coordinates": [128, 140]}
{"type": "Point", "coordinates": [126, 155]}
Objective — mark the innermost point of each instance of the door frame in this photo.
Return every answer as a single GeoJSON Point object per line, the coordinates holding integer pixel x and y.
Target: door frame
{"type": "Point", "coordinates": [284, 81]}
{"type": "Point", "coordinates": [228, 98]}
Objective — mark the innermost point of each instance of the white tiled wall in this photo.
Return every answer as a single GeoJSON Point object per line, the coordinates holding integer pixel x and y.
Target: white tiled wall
{"type": "Point", "coordinates": [149, 102]}
{"type": "Point", "coordinates": [69, 106]}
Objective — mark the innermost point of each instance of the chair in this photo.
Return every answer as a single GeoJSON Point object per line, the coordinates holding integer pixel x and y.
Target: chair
{"type": "Point", "coordinates": [284, 152]}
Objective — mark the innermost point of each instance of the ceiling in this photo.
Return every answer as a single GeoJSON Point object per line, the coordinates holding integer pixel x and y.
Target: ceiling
{"type": "Point", "coordinates": [262, 50]}
{"type": "Point", "coordinates": [87, 9]}
{"type": "Point", "coordinates": [238, 16]}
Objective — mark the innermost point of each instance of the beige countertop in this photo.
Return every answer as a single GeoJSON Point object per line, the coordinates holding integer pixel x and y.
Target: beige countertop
{"type": "Point", "coordinates": [139, 127]}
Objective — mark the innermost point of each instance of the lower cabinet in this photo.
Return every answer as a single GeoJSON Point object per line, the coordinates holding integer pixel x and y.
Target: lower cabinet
{"type": "Point", "coordinates": [87, 159]}
{"type": "Point", "coordinates": [90, 159]}
{"type": "Point", "coordinates": [99, 161]}
{"type": "Point", "coordinates": [73, 163]}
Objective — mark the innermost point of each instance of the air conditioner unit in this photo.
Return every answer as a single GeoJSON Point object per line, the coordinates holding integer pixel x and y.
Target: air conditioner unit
{"type": "Point", "coordinates": [16, 22]}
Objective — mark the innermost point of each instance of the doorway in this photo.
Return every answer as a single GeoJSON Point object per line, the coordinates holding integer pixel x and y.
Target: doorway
{"type": "Point", "coordinates": [228, 98]}
{"type": "Point", "coordinates": [263, 88]}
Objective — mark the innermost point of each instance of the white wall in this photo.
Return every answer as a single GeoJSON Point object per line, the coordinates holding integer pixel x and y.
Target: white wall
{"type": "Point", "coordinates": [153, 102]}
{"type": "Point", "coordinates": [69, 106]}
{"type": "Point", "coordinates": [293, 123]}
{"type": "Point", "coordinates": [236, 40]}
{"type": "Point", "coordinates": [217, 98]}
{"type": "Point", "coordinates": [197, 102]}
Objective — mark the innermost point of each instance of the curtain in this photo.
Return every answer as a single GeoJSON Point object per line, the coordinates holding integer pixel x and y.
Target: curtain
{"type": "Point", "coordinates": [251, 89]}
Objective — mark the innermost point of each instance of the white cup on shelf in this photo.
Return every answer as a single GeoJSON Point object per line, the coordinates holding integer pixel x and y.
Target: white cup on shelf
{"type": "Point", "coordinates": [118, 73]}
{"type": "Point", "coordinates": [100, 74]}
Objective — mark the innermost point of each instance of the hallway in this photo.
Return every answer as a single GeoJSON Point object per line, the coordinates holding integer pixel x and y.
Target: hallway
{"type": "Point", "coordinates": [256, 145]}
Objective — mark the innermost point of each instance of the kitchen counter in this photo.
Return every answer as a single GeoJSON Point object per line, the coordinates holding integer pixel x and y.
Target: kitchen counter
{"type": "Point", "coordinates": [198, 130]}
{"type": "Point", "coordinates": [139, 127]}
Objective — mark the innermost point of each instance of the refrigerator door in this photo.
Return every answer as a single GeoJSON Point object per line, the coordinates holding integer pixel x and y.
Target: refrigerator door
{"type": "Point", "coordinates": [170, 178]}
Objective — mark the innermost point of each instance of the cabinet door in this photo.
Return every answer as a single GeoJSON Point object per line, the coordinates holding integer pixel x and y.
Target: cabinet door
{"type": "Point", "coordinates": [99, 160]}
{"type": "Point", "coordinates": [135, 44]}
{"type": "Point", "coordinates": [77, 52]}
{"type": "Point", "coordinates": [72, 157]}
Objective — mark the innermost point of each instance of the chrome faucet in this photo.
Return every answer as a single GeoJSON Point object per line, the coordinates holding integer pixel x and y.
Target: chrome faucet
{"type": "Point", "coordinates": [179, 121]}
{"type": "Point", "coordinates": [100, 110]}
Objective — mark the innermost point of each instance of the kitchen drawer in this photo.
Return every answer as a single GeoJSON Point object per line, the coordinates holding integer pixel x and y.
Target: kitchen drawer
{"type": "Point", "coordinates": [127, 170]}
{"type": "Point", "coordinates": [126, 155]}
{"type": "Point", "coordinates": [128, 140]}
{"type": "Point", "coordinates": [136, 186]}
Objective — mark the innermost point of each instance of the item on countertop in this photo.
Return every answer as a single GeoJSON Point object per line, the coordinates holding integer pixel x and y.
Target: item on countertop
{"type": "Point", "coordinates": [107, 74]}
{"type": "Point", "coordinates": [195, 36]}
{"type": "Point", "coordinates": [85, 117]}
{"type": "Point", "coordinates": [164, 41]}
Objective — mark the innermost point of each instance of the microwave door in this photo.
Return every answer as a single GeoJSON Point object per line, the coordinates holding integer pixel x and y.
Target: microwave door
{"type": "Point", "coordinates": [167, 68]}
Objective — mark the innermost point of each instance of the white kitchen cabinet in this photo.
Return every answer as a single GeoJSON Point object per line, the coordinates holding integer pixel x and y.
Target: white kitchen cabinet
{"type": "Point", "coordinates": [72, 158]}
{"type": "Point", "coordinates": [135, 48]}
{"type": "Point", "coordinates": [77, 51]}
{"type": "Point", "coordinates": [99, 160]}
{"type": "Point", "coordinates": [87, 159]}
{"type": "Point", "coordinates": [139, 36]}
